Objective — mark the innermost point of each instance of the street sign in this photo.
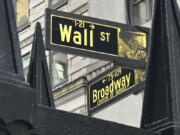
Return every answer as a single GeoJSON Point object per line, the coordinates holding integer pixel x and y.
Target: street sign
{"type": "Point", "coordinates": [86, 36]}
{"type": "Point", "coordinates": [113, 85]}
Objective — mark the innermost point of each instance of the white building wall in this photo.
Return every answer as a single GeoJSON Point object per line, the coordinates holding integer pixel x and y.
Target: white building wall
{"type": "Point", "coordinates": [36, 11]}
{"type": "Point", "coordinates": [73, 104]}
{"type": "Point", "coordinates": [108, 10]}
{"type": "Point", "coordinates": [128, 110]}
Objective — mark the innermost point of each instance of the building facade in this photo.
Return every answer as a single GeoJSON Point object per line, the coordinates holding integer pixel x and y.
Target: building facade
{"type": "Point", "coordinates": [70, 73]}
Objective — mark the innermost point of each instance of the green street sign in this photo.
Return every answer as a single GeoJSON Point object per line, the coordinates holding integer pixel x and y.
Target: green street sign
{"type": "Point", "coordinates": [91, 37]}
{"type": "Point", "coordinates": [113, 85]}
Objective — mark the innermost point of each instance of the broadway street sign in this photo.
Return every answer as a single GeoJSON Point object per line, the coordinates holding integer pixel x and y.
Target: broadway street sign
{"type": "Point", "coordinates": [86, 36]}
{"type": "Point", "coordinates": [113, 85]}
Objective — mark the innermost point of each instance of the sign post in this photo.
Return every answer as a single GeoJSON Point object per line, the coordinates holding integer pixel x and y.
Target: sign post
{"type": "Point", "coordinates": [126, 45]}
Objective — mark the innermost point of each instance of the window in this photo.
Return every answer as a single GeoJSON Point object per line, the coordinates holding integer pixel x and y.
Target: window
{"type": "Point", "coordinates": [139, 11]}
{"type": "Point", "coordinates": [26, 60]}
{"type": "Point", "coordinates": [58, 68]}
{"type": "Point", "coordinates": [22, 12]}
{"type": "Point", "coordinates": [178, 2]}
{"type": "Point", "coordinates": [57, 3]}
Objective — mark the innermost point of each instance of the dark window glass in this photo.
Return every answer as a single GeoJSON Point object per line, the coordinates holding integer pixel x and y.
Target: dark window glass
{"type": "Point", "coordinates": [140, 15]}
{"type": "Point", "coordinates": [139, 11]}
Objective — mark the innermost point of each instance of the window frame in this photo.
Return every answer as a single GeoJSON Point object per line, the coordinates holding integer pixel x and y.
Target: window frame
{"type": "Point", "coordinates": [51, 54]}
{"type": "Point", "coordinates": [25, 25]}
{"type": "Point", "coordinates": [130, 10]}
{"type": "Point", "coordinates": [57, 5]}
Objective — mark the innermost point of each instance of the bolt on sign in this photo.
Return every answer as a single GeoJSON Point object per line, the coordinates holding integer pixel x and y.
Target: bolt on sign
{"type": "Point", "coordinates": [114, 84]}
{"type": "Point", "coordinates": [76, 34]}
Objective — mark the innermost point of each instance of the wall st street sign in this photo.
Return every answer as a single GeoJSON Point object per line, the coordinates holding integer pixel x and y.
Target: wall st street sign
{"type": "Point", "coordinates": [113, 85]}
{"type": "Point", "coordinates": [76, 34]}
